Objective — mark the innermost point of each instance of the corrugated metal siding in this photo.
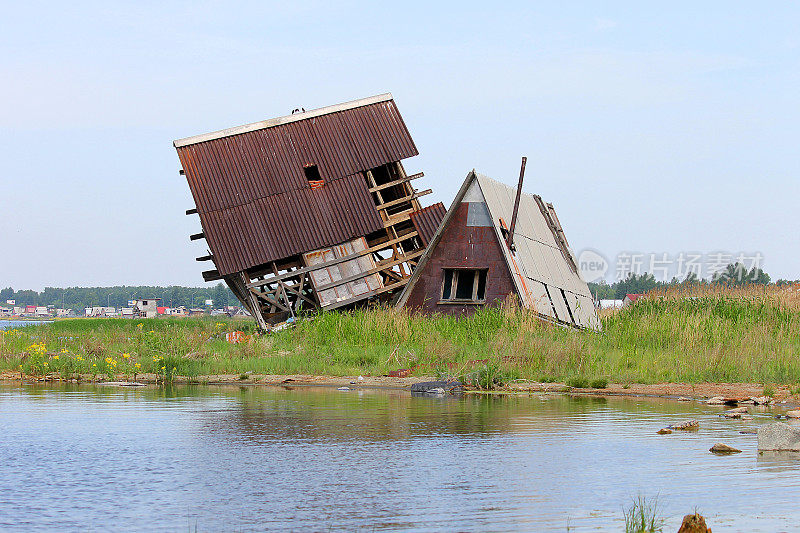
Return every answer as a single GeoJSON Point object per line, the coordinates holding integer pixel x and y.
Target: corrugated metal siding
{"type": "Point", "coordinates": [291, 223]}
{"type": "Point", "coordinates": [539, 257]}
{"type": "Point", "coordinates": [254, 201]}
{"type": "Point", "coordinates": [426, 221]}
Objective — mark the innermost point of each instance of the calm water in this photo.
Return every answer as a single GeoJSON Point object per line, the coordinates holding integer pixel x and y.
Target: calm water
{"type": "Point", "coordinates": [242, 459]}
{"type": "Point", "coordinates": [10, 324]}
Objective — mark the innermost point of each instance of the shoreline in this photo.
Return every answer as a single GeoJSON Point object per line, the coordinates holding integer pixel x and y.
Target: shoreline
{"type": "Point", "coordinates": [671, 391]}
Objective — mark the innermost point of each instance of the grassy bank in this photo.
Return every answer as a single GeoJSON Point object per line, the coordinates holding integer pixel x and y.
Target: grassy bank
{"type": "Point", "coordinates": [704, 335]}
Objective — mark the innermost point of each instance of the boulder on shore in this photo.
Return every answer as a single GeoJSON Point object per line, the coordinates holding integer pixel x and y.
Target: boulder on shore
{"type": "Point", "coordinates": [723, 449]}
{"type": "Point", "coordinates": [436, 386]}
{"type": "Point", "coordinates": [792, 414]}
{"type": "Point", "coordinates": [779, 436]}
{"type": "Point", "coordinates": [694, 523]}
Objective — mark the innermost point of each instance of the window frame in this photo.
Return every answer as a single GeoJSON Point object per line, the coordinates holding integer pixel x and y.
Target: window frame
{"type": "Point", "coordinates": [455, 274]}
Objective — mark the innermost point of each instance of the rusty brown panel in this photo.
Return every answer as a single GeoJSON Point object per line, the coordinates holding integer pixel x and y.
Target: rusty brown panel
{"type": "Point", "coordinates": [426, 221]}
{"type": "Point", "coordinates": [254, 202]}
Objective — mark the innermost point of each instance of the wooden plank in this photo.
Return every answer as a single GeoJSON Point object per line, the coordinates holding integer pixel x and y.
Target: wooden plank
{"type": "Point", "coordinates": [208, 257]}
{"type": "Point", "coordinates": [404, 199]}
{"type": "Point", "coordinates": [376, 292]}
{"type": "Point", "coordinates": [366, 273]}
{"type": "Point", "coordinates": [211, 275]}
{"type": "Point", "coordinates": [197, 236]}
{"type": "Point", "coordinates": [396, 182]}
{"type": "Point", "coordinates": [336, 261]}
{"type": "Point", "coordinates": [257, 314]}
{"type": "Point", "coordinates": [191, 211]}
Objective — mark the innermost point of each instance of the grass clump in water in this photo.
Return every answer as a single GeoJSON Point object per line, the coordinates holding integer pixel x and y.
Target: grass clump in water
{"type": "Point", "coordinates": [642, 516]}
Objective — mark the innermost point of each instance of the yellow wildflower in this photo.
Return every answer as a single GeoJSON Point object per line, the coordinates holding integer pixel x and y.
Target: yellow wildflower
{"type": "Point", "coordinates": [55, 357]}
{"type": "Point", "coordinates": [126, 355]}
{"type": "Point", "coordinates": [79, 357]}
{"type": "Point", "coordinates": [162, 368]}
{"type": "Point", "coordinates": [139, 326]}
{"type": "Point", "coordinates": [137, 365]}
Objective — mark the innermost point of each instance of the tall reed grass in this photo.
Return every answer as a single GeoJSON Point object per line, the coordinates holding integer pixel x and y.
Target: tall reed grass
{"type": "Point", "coordinates": [698, 334]}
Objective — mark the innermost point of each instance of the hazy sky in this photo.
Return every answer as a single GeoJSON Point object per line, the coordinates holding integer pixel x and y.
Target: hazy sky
{"type": "Point", "coordinates": [652, 130]}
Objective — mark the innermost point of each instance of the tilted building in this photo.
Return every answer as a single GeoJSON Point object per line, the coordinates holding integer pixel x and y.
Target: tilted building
{"type": "Point", "coordinates": [473, 261]}
{"type": "Point", "coordinates": [312, 210]}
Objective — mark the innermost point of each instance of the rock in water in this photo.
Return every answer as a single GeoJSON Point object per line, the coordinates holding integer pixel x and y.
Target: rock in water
{"type": "Point", "coordinates": [732, 415]}
{"type": "Point", "coordinates": [447, 386]}
{"type": "Point", "coordinates": [688, 425]}
{"type": "Point", "coordinates": [716, 400]}
{"type": "Point", "coordinates": [694, 523]}
{"type": "Point", "coordinates": [664, 431]}
{"type": "Point", "coordinates": [792, 414]}
{"type": "Point", "coordinates": [739, 410]}
{"type": "Point", "coordinates": [779, 436]}
{"type": "Point", "coordinates": [723, 449]}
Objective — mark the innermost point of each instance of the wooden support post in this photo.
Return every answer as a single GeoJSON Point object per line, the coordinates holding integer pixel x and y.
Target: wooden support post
{"type": "Point", "coordinates": [257, 314]}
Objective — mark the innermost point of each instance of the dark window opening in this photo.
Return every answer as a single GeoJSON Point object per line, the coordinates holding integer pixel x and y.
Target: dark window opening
{"type": "Point", "coordinates": [312, 173]}
{"type": "Point", "coordinates": [459, 285]}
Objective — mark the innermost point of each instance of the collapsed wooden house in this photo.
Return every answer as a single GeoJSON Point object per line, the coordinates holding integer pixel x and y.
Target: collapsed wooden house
{"type": "Point", "coordinates": [313, 210]}
{"type": "Point", "coordinates": [496, 241]}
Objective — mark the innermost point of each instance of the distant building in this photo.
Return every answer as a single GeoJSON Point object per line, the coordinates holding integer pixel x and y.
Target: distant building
{"type": "Point", "coordinates": [148, 307]}
{"type": "Point", "coordinates": [127, 312]}
{"type": "Point", "coordinates": [631, 299]}
{"type": "Point", "coordinates": [18, 311]}
{"type": "Point", "coordinates": [162, 310]}
{"type": "Point", "coordinates": [30, 310]}
{"type": "Point", "coordinates": [196, 311]}
{"type": "Point", "coordinates": [610, 304]}
{"type": "Point", "coordinates": [178, 311]}
{"type": "Point", "coordinates": [6, 311]}
{"type": "Point", "coordinates": [63, 312]}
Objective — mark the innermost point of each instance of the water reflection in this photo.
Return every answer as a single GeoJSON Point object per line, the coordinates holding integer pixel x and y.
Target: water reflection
{"type": "Point", "coordinates": [255, 458]}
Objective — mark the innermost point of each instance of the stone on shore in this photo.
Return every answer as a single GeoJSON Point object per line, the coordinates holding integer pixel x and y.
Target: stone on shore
{"type": "Point", "coordinates": [689, 425]}
{"type": "Point", "coordinates": [684, 399]}
{"type": "Point", "coordinates": [694, 523]}
{"type": "Point", "coordinates": [445, 386]}
{"type": "Point", "coordinates": [792, 414]}
{"type": "Point", "coordinates": [779, 436]}
{"type": "Point", "coordinates": [732, 415]}
{"type": "Point", "coordinates": [723, 449]}
{"type": "Point", "coordinates": [716, 400]}
{"type": "Point", "coordinates": [740, 410]}
{"type": "Point", "coordinates": [664, 431]}
{"type": "Point", "coordinates": [761, 400]}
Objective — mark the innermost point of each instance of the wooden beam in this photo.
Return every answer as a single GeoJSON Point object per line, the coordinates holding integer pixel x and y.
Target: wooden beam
{"type": "Point", "coordinates": [211, 275]}
{"type": "Point", "coordinates": [191, 211]}
{"type": "Point", "coordinates": [396, 182]}
{"type": "Point", "coordinates": [197, 236]}
{"type": "Point", "coordinates": [408, 198]}
{"type": "Point", "coordinates": [257, 314]}
{"type": "Point", "coordinates": [366, 273]}
{"type": "Point", "coordinates": [269, 298]}
{"type": "Point", "coordinates": [333, 262]}
{"type": "Point", "coordinates": [376, 292]}
{"type": "Point", "coordinates": [208, 257]}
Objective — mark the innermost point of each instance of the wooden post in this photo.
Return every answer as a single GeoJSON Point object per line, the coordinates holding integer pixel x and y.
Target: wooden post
{"type": "Point", "coordinates": [510, 239]}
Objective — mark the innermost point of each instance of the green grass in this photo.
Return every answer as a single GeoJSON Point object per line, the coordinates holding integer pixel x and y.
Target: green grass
{"type": "Point", "coordinates": [642, 516]}
{"type": "Point", "coordinates": [713, 338]}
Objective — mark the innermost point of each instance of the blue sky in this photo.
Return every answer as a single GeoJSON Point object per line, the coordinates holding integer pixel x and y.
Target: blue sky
{"type": "Point", "coordinates": [651, 129]}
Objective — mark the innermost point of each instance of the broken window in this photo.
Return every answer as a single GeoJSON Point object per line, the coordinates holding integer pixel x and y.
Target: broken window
{"type": "Point", "coordinates": [313, 176]}
{"type": "Point", "coordinates": [460, 285]}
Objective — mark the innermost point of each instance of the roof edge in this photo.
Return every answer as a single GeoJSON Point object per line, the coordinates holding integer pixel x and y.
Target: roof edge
{"type": "Point", "coordinates": [269, 123]}
{"type": "Point", "coordinates": [423, 260]}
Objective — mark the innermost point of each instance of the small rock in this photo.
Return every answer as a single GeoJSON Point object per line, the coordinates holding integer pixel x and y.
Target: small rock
{"type": "Point", "coordinates": [688, 425]}
{"type": "Point", "coordinates": [716, 400]}
{"type": "Point", "coordinates": [723, 449]}
{"type": "Point", "coordinates": [684, 399]}
{"type": "Point", "coordinates": [738, 410]}
{"type": "Point", "coordinates": [731, 415]}
{"type": "Point", "coordinates": [779, 436]}
{"type": "Point", "coordinates": [426, 386]}
{"type": "Point", "coordinates": [343, 388]}
{"type": "Point", "coordinates": [694, 523]}
{"type": "Point", "coordinates": [749, 432]}
{"type": "Point", "coordinates": [792, 414]}
{"type": "Point", "coordinates": [747, 417]}
{"type": "Point", "coordinates": [664, 431]}
{"type": "Point", "coordinates": [761, 400]}
{"type": "Point", "coordinates": [437, 390]}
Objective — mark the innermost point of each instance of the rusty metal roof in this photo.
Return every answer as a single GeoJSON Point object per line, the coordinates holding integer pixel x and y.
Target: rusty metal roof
{"type": "Point", "coordinates": [254, 200]}
{"type": "Point", "coordinates": [426, 221]}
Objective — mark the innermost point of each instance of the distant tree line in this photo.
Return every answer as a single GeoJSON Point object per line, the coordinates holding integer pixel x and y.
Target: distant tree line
{"type": "Point", "coordinates": [78, 298]}
{"type": "Point", "coordinates": [734, 275]}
